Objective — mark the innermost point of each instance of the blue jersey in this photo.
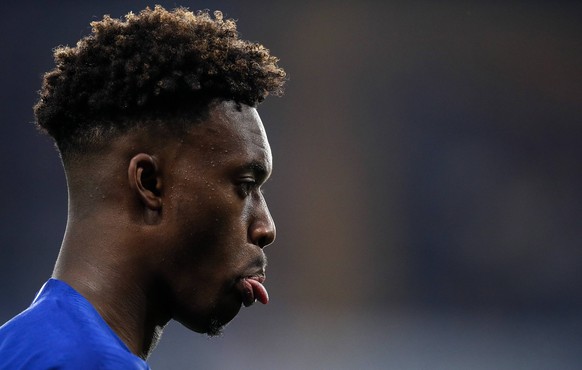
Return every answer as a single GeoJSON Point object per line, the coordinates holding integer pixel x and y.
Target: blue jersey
{"type": "Point", "coordinates": [62, 330]}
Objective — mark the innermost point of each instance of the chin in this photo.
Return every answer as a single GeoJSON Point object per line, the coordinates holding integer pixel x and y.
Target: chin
{"type": "Point", "coordinates": [213, 323]}
{"type": "Point", "coordinates": [215, 328]}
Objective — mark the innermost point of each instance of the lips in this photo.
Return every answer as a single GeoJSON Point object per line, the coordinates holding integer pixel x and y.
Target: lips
{"type": "Point", "coordinates": [252, 290]}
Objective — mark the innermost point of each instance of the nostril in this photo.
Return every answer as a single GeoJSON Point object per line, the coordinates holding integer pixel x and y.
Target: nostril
{"type": "Point", "coordinates": [263, 242]}
{"type": "Point", "coordinates": [263, 236]}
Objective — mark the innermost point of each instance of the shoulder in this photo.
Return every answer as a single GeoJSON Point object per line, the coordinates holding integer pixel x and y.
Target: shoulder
{"type": "Point", "coordinates": [97, 359]}
{"type": "Point", "coordinates": [65, 355]}
{"type": "Point", "coordinates": [57, 350]}
{"type": "Point", "coordinates": [60, 334]}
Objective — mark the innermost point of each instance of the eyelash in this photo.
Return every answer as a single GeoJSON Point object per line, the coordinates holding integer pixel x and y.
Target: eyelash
{"type": "Point", "coordinates": [247, 187]}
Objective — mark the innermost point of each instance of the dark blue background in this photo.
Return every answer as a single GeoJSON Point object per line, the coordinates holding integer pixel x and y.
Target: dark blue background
{"type": "Point", "coordinates": [427, 184]}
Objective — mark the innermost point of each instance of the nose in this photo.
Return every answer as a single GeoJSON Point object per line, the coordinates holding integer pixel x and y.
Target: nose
{"type": "Point", "coordinates": [262, 230]}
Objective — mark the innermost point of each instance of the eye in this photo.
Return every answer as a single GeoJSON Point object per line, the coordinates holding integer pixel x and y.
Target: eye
{"type": "Point", "coordinates": [246, 187]}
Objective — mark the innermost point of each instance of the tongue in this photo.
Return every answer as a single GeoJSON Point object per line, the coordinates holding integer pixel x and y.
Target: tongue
{"type": "Point", "coordinates": [254, 290]}
{"type": "Point", "coordinates": [259, 291]}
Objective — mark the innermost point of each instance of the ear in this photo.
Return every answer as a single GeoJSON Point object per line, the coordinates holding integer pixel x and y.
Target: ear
{"type": "Point", "coordinates": [146, 181]}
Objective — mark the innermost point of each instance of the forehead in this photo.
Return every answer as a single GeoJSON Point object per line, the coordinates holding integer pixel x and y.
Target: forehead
{"type": "Point", "coordinates": [230, 133]}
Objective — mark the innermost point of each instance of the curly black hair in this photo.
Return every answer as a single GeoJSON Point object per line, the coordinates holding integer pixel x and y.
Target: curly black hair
{"type": "Point", "coordinates": [148, 66]}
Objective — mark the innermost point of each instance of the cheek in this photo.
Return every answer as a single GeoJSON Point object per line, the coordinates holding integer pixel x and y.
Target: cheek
{"type": "Point", "coordinates": [210, 224]}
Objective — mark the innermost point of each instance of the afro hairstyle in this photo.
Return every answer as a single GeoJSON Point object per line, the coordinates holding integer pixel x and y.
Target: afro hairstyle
{"type": "Point", "coordinates": [146, 67]}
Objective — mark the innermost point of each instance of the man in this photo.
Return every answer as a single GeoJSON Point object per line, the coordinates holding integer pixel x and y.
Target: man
{"type": "Point", "coordinates": [164, 153]}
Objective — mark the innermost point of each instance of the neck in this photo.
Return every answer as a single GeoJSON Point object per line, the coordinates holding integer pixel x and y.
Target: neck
{"type": "Point", "coordinates": [105, 274]}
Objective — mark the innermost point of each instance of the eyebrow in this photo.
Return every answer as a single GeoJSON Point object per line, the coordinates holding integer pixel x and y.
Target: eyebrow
{"type": "Point", "coordinates": [258, 169]}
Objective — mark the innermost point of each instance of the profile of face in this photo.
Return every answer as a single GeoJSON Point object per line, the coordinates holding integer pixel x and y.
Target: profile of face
{"type": "Point", "coordinates": [217, 223]}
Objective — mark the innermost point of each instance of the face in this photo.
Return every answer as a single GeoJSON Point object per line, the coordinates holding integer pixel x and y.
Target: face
{"type": "Point", "coordinates": [216, 220]}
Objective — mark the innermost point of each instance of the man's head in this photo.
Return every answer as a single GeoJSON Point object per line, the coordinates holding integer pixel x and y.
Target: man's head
{"type": "Point", "coordinates": [164, 152]}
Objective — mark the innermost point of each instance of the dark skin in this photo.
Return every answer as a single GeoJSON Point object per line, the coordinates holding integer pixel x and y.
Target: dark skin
{"type": "Point", "coordinates": [162, 227]}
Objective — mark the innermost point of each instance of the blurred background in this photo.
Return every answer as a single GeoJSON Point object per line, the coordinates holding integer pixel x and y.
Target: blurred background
{"type": "Point", "coordinates": [427, 184]}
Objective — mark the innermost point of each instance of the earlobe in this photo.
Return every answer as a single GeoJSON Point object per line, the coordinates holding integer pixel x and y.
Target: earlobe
{"type": "Point", "coordinates": [146, 182]}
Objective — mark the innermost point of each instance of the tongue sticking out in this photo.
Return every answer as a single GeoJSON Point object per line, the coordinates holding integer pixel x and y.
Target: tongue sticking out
{"type": "Point", "coordinates": [252, 290]}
